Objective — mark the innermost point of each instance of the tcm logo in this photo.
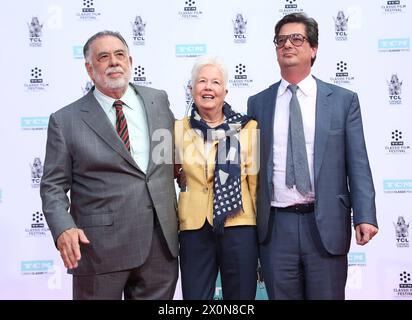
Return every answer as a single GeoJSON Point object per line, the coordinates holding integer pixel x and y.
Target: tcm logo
{"type": "Point", "coordinates": [88, 11]}
{"type": "Point", "coordinates": [356, 259]}
{"type": "Point", "coordinates": [77, 52]}
{"type": "Point", "coordinates": [190, 50]}
{"type": "Point", "coordinates": [397, 186]}
{"type": "Point", "coordinates": [139, 76]}
{"type": "Point", "coordinates": [190, 10]}
{"type": "Point", "coordinates": [393, 45]}
{"type": "Point", "coordinates": [36, 266]}
{"type": "Point", "coordinates": [34, 123]}
{"type": "Point", "coordinates": [404, 288]}
{"type": "Point", "coordinates": [290, 6]}
{"type": "Point", "coordinates": [87, 6]}
{"type": "Point", "coordinates": [240, 78]}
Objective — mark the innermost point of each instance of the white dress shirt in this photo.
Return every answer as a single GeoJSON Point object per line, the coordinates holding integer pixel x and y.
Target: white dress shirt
{"type": "Point", "coordinates": [306, 94]}
{"type": "Point", "coordinates": [135, 115]}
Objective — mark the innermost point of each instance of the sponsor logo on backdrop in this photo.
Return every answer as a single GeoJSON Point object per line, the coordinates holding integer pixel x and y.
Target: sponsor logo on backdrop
{"type": "Point", "coordinates": [38, 227]}
{"type": "Point", "coordinates": [404, 287]}
{"type": "Point", "coordinates": [87, 86]}
{"type": "Point", "coordinates": [36, 267]}
{"type": "Point", "coordinates": [36, 82]}
{"type": "Point", "coordinates": [190, 10]}
{"type": "Point", "coordinates": [393, 45]}
{"type": "Point", "coordinates": [240, 78]}
{"type": "Point", "coordinates": [78, 52]}
{"type": "Point", "coordinates": [36, 172]}
{"type": "Point", "coordinates": [357, 259]}
{"type": "Point", "coordinates": [88, 11]}
{"type": "Point", "coordinates": [356, 263]}
{"type": "Point", "coordinates": [190, 50]}
{"type": "Point", "coordinates": [401, 232]}
{"type": "Point", "coordinates": [395, 89]}
{"type": "Point", "coordinates": [138, 28]}
{"type": "Point", "coordinates": [188, 91]}
{"type": "Point", "coordinates": [397, 144]}
{"type": "Point", "coordinates": [139, 76]}
{"type": "Point", "coordinates": [342, 76]}
{"type": "Point", "coordinates": [393, 6]}
{"type": "Point", "coordinates": [34, 123]}
{"type": "Point", "coordinates": [341, 26]}
{"type": "Point", "coordinates": [35, 32]}
{"type": "Point", "coordinates": [239, 29]}
{"type": "Point", "coordinates": [290, 6]}
{"type": "Point", "coordinates": [354, 279]}
{"type": "Point", "coordinates": [397, 186]}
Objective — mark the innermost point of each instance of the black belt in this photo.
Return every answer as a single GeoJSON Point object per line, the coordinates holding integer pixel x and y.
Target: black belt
{"type": "Point", "coordinates": [300, 208]}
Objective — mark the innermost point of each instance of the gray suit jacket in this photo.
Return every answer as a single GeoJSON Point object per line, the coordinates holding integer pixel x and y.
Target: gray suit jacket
{"type": "Point", "coordinates": [111, 199]}
{"type": "Point", "coordinates": [343, 179]}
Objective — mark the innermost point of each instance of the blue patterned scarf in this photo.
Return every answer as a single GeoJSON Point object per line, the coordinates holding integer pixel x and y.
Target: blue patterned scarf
{"type": "Point", "coordinates": [227, 193]}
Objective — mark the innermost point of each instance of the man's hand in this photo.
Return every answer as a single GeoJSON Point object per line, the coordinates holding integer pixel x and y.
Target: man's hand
{"type": "Point", "coordinates": [364, 233]}
{"type": "Point", "coordinates": [68, 245]}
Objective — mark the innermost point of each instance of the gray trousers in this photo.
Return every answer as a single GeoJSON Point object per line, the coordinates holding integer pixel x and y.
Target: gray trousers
{"type": "Point", "coordinates": [154, 280]}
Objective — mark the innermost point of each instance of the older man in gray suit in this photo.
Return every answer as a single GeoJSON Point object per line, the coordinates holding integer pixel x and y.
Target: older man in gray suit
{"type": "Point", "coordinates": [312, 173]}
{"type": "Point", "coordinates": [117, 234]}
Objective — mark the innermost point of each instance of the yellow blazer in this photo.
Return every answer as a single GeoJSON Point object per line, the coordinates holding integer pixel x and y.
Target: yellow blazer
{"type": "Point", "coordinates": [196, 203]}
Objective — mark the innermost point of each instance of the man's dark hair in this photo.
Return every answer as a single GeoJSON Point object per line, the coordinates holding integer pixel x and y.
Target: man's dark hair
{"type": "Point", "coordinates": [311, 27]}
{"type": "Point", "coordinates": [101, 34]}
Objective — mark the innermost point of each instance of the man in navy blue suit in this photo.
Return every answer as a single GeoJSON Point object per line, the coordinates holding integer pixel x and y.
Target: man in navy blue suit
{"type": "Point", "coordinates": [305, 232]}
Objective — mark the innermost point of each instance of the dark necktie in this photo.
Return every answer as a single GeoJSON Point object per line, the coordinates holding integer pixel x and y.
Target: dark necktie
{"type": "Point", "coordinates": [297, 168]}
{"type": "Point", "coordinates": [121, 124]}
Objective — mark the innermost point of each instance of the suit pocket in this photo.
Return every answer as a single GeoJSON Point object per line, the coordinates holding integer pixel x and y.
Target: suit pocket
{"type": "Point", "coordinates": [94, 220]}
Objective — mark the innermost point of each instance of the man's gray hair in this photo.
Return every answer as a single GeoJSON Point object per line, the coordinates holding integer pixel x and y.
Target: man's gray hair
{"type": "Point", "coordinates": [101, 34]}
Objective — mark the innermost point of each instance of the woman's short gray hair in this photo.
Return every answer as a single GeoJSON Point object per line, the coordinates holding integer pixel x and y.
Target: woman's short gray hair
{"type": "Point", "coordinates": [203, 61]}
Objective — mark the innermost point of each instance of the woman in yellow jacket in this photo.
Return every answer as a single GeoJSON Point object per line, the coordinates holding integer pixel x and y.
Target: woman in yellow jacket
{"type": "Point", "coordinates": [216, 150]}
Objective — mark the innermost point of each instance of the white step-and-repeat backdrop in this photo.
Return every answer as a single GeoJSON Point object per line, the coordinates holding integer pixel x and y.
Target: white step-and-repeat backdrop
{"type": "Point", "coordinates": [364, 46]}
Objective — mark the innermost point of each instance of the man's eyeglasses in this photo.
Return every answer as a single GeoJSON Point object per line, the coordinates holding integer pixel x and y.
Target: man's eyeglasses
{"type": "Point", "coordinates": [295, 38]}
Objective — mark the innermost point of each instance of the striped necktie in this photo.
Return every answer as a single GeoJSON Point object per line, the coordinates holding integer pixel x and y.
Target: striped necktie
{"type": "Point", "coordinates": [121, 123]}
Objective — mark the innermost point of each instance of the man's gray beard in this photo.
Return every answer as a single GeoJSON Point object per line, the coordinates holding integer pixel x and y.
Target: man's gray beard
{"type": "Point", "coordinates": [117, 83]}
{"type": "Point", "coordinates": [114, 83]}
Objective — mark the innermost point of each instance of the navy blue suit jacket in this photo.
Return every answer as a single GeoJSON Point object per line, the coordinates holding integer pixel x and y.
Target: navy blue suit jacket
{"type": "Point", "coordinates": [342, 176]}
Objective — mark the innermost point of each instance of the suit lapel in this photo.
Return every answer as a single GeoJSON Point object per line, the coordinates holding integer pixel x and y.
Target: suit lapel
{"type": "Point", "coordinates": [323, 119]}
{"type": "Point", "coordinates": [94, 116]}
{"type": "Point", "coordinates": [151, 111]}
{"type": "Point", "coordinates": [268, 115]}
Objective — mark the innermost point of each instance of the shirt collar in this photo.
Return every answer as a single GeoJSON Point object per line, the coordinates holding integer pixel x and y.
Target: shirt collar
{"type": "Point", "coordinates": [127, 98]}
{"type": "Point", "coordinates": [307, 86]}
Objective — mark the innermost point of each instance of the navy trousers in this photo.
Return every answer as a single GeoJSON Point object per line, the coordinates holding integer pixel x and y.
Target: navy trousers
{"type": "Point", "coordinates": [295, 264]}
{"type": "Point", "coordinates": [203, 253]}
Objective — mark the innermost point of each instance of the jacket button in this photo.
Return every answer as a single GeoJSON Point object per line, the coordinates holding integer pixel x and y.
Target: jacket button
{"type": "Point", "coordinates": [205, 190]}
